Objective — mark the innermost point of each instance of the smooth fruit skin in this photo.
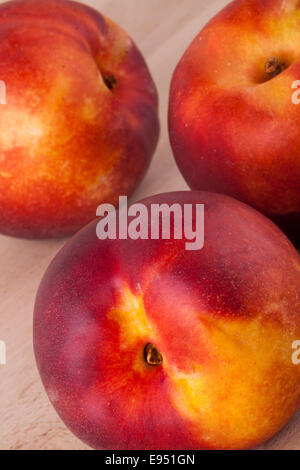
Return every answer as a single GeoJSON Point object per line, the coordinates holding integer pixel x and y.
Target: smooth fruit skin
{"type": "Point", "coordinates": [233, 128]}
{"type": "Point", "coordinates": [223, 318]}
{"type": "Point", "coordinates": [80, 123]}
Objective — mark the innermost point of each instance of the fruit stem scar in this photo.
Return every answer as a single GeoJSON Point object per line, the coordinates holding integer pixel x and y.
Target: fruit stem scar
{"type": "Point", "coordinates": [274, 67]}
{"type": "Point", "coordinates": [110, 81]}
{"type": "Point", "coordinates": [152, 355]}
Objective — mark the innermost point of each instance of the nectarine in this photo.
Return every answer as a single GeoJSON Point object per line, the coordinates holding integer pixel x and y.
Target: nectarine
{"type": "Point", "coordinates": [80, 122]}
{"type": "Point", "coordinates": [233, 118]}
{"type": "Point", "coordinates": [146, 345]}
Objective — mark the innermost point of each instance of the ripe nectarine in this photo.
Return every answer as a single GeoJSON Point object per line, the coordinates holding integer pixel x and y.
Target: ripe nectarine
{"type": "Point", "coordinates": [146, 345]}
{"type": "Point", "coordinates": [234, 123]}
{"type": "Point", "coordinates": [80, 122]}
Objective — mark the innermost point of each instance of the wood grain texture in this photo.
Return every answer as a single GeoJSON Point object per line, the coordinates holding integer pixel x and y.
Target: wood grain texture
{"type": "Point", "coordinates": [162, 29]}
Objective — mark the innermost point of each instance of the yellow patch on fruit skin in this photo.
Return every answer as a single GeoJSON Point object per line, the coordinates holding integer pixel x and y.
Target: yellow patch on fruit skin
{"type": "Point", "coordinates": [131, 316]}
{"type": "Point", "coordinates": [250, 389]}
{"type": "Point", "coordinates": [135, 330]}
{"type": "Point", "coordinates": [244, 394]}
{"type": "Point", "coordinates": [297, 265]}
{"type": "Point", "coordinates": [291, 6]}
{"type": "Point", "coordinates": [43, 130]}
{"type": "Point", "coordinates": [89, 111]}
{"type": "Point", "coordinates": [285, 28]}
{"type": "Point", "coordinates": [5, 175]}
{"type": "Point", "coordinates": [21, 130]}
{"type": "Point", "coordinates": [119, 46]}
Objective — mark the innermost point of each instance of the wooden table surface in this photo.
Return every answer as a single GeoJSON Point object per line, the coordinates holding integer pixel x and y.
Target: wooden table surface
{"type": "Point", "coordinates": [162, 29]}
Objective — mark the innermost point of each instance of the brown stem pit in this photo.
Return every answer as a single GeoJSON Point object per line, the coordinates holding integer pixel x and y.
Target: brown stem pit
{"type": "Point", "coordinates": [152, 355]}
{"type": "Point", "coordinates": [110, 81]}
{"type": "Point", "coordinates": [274, 67]}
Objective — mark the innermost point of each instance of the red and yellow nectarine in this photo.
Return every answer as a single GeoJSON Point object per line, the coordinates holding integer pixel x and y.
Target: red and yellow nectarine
{"type": "Point", "coordinates": [145, 345]}
{"type": "Point", "coordinates": [80, 122]}
{"type": "Point", "coordinates": [234, 125]}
